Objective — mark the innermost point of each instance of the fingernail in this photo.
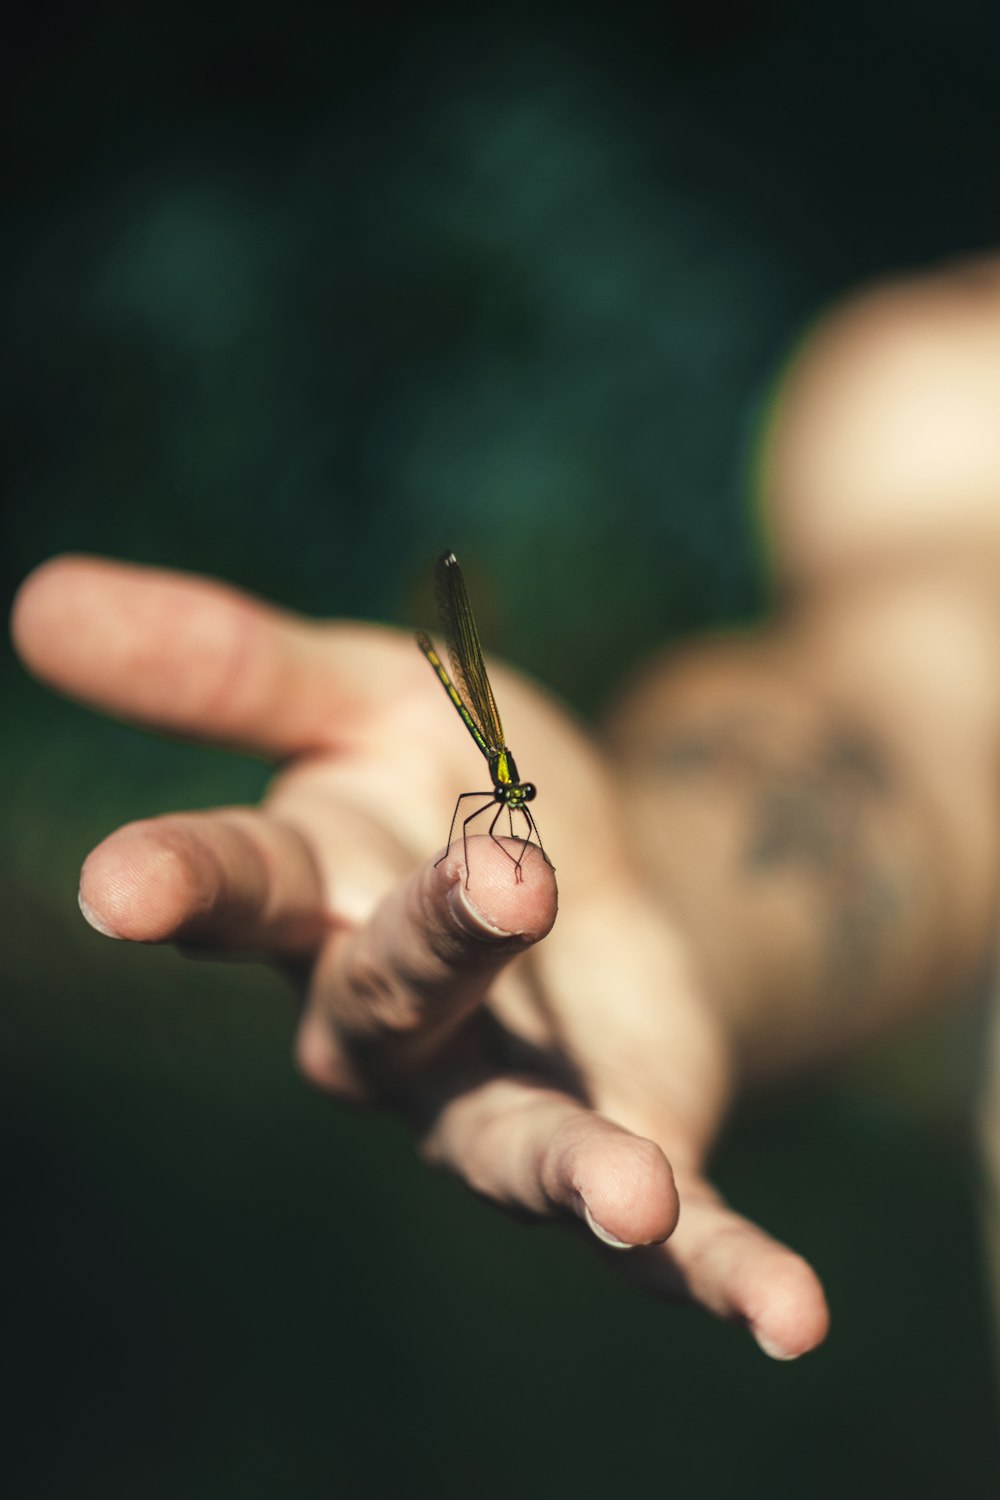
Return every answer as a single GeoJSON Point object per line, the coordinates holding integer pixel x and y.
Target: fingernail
{"type": "Point", "coordinates": [95, 921]}
{"type": "Point", "coordinates": [468, 915]}
{"type": "Point", "coordinates": [604, 1235]}
{"type": "Point", "coordinates": [773, 1351]}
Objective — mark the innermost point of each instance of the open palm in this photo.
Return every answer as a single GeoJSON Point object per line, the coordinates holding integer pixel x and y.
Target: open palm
{"type": "Point", "coordinates": [580, 1076]}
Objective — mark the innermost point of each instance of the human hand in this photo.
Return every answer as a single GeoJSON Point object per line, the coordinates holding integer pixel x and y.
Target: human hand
{"type": "Point", "coordinates": [580, 1077]}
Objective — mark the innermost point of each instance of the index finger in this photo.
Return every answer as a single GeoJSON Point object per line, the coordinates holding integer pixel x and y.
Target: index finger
{"type": "Point", "coordinates": [193, 657]}
{"type": "Point", "coordinates": [387, 995]}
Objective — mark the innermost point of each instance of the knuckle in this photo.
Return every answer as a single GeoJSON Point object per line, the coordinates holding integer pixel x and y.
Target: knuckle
{"type": "Point", "coordinates": [379, 1001]}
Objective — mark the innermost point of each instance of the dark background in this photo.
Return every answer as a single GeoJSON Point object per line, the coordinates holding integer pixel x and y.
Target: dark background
{"type": "Point", "coordinates": [298, 299]}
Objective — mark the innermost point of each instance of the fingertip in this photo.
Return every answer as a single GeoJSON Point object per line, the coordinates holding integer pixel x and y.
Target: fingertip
{"type": "Point", "coordinates": [38, 605]}
{"type": "Point", "coordinates": [507, 890]}
{"type": "Point", "coordinates": [631, 1200]}
{"type": "Point", "coordinates": [621, 1185]}
{"type": "Point", "coordinates": [93, 917]}
{"type": "Point", "coordinates": [604, 1235]}
{"type": "Point", "coordinates": [143, 886]}
{"type": "Point", "coordinates": [793, 1317]}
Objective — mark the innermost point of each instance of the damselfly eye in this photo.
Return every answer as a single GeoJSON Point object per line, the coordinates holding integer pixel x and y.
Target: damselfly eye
{"type": "Point", "coordinates": [528, 790]}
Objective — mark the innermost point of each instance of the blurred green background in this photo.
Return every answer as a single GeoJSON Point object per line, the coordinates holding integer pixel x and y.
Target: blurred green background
{"type": "Point", "coordinates": [297, 298]}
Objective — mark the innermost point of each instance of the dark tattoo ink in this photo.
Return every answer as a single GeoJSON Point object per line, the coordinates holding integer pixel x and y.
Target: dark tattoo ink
{"type": "Point", "coordinates": [812, 803]}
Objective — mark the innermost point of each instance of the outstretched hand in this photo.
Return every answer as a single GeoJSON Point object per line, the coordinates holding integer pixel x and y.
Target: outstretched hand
{"type": "Point", "coordinates": [582, 1076]}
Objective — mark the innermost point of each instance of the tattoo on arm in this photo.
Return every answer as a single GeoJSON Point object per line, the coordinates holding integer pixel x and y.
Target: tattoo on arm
{"type": "Point", "coordinates": [813, 812]}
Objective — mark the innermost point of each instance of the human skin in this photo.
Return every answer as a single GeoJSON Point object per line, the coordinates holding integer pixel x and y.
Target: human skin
{"type": "Point", "coordinates": [816, 803]}
{"type": "Point", "coordinates": [582, 1076]}
{"type": "Point", "coordinates": [808, 854]}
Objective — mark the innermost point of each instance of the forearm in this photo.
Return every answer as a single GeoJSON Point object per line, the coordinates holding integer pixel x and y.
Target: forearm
{"type": "Point", "coordinates": [816, 807]}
